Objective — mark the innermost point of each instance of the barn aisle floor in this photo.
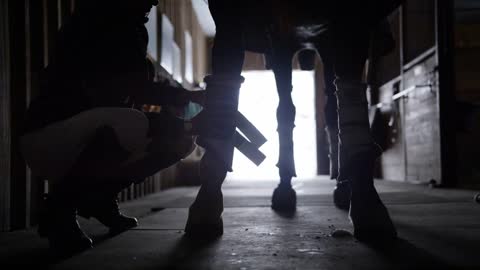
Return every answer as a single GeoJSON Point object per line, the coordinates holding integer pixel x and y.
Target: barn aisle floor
{"type": "Point", "coordinates": [438, 229]}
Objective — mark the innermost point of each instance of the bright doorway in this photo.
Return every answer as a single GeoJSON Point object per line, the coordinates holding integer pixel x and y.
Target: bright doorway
{"type": "Point", "coordinates": [258, 102]}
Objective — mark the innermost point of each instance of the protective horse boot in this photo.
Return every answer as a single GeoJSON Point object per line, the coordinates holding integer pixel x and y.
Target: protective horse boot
{"type": "Point", "coordinates": [370, 218]}
{"type": "Point", "coordinates": [217, 137]}
{"type": "Point", "coordinates": [58, 222]}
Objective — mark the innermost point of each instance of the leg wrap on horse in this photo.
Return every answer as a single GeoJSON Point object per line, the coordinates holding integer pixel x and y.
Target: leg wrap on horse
{"type": "Point", "coordinates": [220, 112]}
{"type": "Point", "coordinates": [286, 162]}
{"type": "Point", "coordinates": [358, 153]}
{"type": "Point", "coordinates": [217, 137]}
{"type": "Point", "coordinates": [286, 122]}
{"type": "Point", "coordinates": [354, 127]}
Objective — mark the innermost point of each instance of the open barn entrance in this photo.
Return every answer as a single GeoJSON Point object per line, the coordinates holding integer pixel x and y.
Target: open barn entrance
{"type": "Point", "coordinates": [258, 102]}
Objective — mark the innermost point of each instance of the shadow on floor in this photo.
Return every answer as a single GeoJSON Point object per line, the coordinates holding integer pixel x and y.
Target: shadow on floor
{"type": "Point", "coordinates": [191, 254]}
{"type": "Point", "coordinates": [35, 252]}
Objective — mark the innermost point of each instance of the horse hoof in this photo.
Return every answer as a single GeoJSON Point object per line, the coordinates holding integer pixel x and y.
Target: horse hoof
{"type": "Point", "coordinates": [377, 236]}
{"type": "Point", "coordinates": [371, 222]}
{"type": "Point", "coordinates": [205, 216]}
{"type": "Point", "coordinates": [284, 199]}
{"type": "Point", "coordinates": [341, 195]}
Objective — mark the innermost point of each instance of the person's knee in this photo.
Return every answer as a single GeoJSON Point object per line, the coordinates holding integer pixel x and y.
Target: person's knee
{"type": "Point", "coordinates": [131, 128]}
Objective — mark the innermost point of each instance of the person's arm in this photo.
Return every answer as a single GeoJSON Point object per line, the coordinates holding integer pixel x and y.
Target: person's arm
{"type": "Point", "coordinates": [164, 94]}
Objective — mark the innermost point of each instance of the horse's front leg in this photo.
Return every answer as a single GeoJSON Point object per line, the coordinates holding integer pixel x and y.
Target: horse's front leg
{"type": "Point", "coordinates": [218, 129]}
{"type": "Point", "coordinates": [284, 197]}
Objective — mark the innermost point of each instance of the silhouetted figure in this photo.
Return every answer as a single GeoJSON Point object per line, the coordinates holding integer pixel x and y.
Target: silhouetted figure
{"type": "Point", "coordinates": [347, 24]}
{"type": "Point", "coordinates": [86, 133]}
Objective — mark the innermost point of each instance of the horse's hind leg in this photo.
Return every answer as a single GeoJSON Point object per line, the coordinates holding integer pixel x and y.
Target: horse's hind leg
{"type": "Point", "coordinates": [357, 148]}
{"type": "Point", "coordinates": [284, 197]}
{"type": "Point", "coordinates": [341, 194]}
{"type": "Point", "coordinates": [331, 116]}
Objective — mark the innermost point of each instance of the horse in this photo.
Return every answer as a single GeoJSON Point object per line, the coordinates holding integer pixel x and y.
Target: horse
{"type": "Point", "coordinates": [279, 29]}
{"type": "Point", "coordinates": [306, 43]}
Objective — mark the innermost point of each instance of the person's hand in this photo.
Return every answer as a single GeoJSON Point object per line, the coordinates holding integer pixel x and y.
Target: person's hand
{"type": "Point", "coordinates": [197, 96]}
{"type": "Point", "coordinates": [184, 96]}
{"type": "Point", "coordinates": [167, 94]}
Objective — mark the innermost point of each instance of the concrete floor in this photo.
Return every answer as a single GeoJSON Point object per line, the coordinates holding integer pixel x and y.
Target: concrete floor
{"type": "Point", "coordinates": [439, 229]}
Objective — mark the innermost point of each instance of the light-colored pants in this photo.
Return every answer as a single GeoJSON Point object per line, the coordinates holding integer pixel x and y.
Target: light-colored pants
{"type": "Point", "coordinates": [51, 152]}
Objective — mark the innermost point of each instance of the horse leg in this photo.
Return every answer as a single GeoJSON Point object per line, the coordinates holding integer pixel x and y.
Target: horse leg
{"type": "Point", "coordinates": [368, 214]}
{"type": "Point", "coordinates": [284, 197]}
{"type": "Point", "coordinates": [331, 116]}
{"type": "Point", "coordinates": [341, 193]}
{"type": "Point", "coordinates": [216, 136]}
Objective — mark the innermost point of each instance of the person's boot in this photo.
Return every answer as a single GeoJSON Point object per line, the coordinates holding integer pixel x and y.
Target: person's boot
{"type": "Point", "coordinates": [106, 211]}
{"type": "Point", "coordinates": [217, 137]}
{"type": "Point", "coordinates": [370, 218]}
{"type": "Point", "coordinates": [58, 222]}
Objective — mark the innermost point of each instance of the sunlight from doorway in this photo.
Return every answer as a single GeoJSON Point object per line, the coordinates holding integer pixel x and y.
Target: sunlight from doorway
{"type": "Point", "coordinates": [258, 102]}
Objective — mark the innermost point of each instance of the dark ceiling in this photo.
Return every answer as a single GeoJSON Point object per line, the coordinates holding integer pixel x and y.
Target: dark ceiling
{"type": "Point", "coordinates": [467, 11]}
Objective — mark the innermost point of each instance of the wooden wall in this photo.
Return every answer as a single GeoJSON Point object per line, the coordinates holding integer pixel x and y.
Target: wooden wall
{"type": "Point", "coordinates": [183, 18]}
{"type": "Point", "coordinates": [5, 174]}
{"type": "Point", "coordinates": [421, 123]}
{"type": "Point", "coordinates": [392, 162]}
{"type": "Point", "coordinates": [28, 28]}
{"type": "Point", "coordinates": [407, 82]}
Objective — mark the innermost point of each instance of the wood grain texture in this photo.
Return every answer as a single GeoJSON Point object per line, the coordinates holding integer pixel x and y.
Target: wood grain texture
{"type": "Point", "coordinates": [414, 155]}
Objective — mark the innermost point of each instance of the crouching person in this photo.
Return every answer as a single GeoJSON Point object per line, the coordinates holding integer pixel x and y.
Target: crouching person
{"type": "Point", "coordinates": [89, 158]}
{"type": "Point", "coordinates": [86, 133]}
